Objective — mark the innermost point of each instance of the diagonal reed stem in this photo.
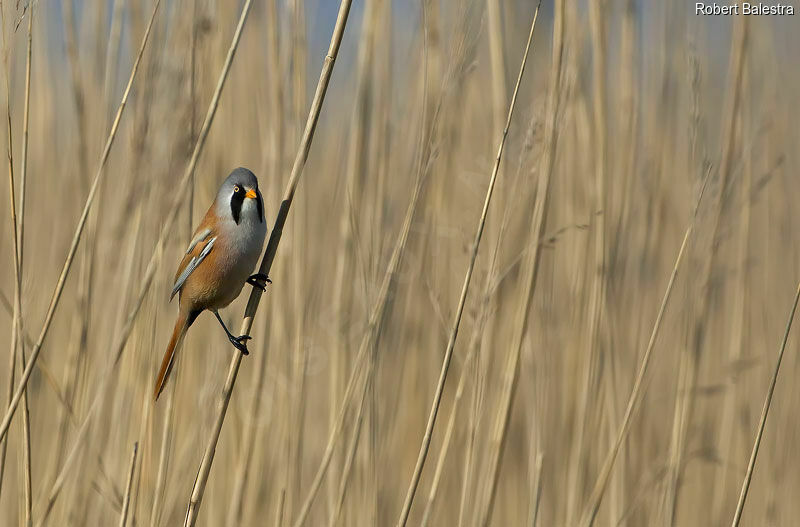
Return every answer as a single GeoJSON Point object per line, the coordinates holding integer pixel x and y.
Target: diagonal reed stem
{"type": "Point", "coordinates": [25, 122]}
{"type": "Point", "coordinates": [366, 346]}
{"type": "Point", "coordinates": [751, 465]}
{"type": "Point", "coordinates": [20, 343]}
{"type": "Point", "coordinates": [17, 226]}
{"type": "Point", "coordinates": [16, 327]}
{"type": "Point", "coordinates": [37, 348]}
{"type": "Point", "coordinates": [426, 440]}
{"type": "Point", "coordinates": [123, 516]}
{"type": "Point", "coordinates": [596, 496]}
{"type": "Point", "coordinates": [426, 157]}
{"type": "Point", "coordinates": [530, 271]}
{"type": "Point", "coordinates": [147, 279]}
{"type": "Point", "coordinates": [266, 263]}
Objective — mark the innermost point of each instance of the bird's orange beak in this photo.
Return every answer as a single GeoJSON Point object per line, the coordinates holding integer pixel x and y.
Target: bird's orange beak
{"type": "Point", "coordinates": [251, 194]}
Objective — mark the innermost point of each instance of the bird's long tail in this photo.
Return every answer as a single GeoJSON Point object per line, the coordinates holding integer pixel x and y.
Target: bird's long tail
{"type": "Point", "coordinates": [181, 325]}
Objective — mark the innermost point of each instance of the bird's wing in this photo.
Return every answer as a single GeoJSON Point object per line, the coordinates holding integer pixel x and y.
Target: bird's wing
{"type": "Point", "coordinates": [200, 247]}
{"type": "Point", "coordinates": [199, 236]}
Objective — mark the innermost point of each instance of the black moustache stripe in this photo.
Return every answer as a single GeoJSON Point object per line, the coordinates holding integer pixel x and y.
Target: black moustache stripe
{"type": "Point", "coordinates": [260, 207]}
{"type": "Point", "coordinates": [236, 206]}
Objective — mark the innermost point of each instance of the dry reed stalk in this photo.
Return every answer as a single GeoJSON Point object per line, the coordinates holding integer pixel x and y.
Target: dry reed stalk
{"type": "Point", "coordinates": [695, 116]}
{"type": "Point", "coordinates": [147, 280]}
{"type": "Point", "coordinates": [536, 489]}
{"type": "Point", "coordinates": [480, 337]}
{"type": "Point", "coordinates": [467, 368]}
{"type": "Point", "coordinates": [163, 459]}
{"type": "Point", "coordinates": [235, 507]}
{"type": "Point", "coordinates": [423, 452]}
{"type": "Point", "coordinates": [590, 511]}
{"type": "Point", "coordinates": [472, 425]}
{"type": "Point", "coordinates": [436, 72]}
{"type": "Point", "coordinates": [25, 128]}
{"type": "Point", "coordinates": [383, 137]}
{"type": "Point", "coordinates": [298, 359]}
{"type": "Point", "coordinates": [690, 358]}
{"type": "Point", "coordinates": [59, 480]}
{"type": "Point", "coordinates": [367, 349]}
{"type": "Point", "coordinates": [19, 245]}
{"type": "Point", "coordinates": [17, 342]}
{"type": "Point", "coordinates": [379, 165]}
{"type": "Point", "coordinates": [622, 179]}
{"type": "Point", "coordinates": [15, 327]}
{"type": "Point", "coordinates": [643, 490]}
{"type": "Point", "coordinates": [123, 517]}
{"type": "Point", "coordinates": [26, 425]}
{"type": "Point", "coordinates": [352, 446]}
{"type": "Point", "coordinates": [58, 484]}
{"type": "Point", "coordinates": [280, 509]}
{"type": "Point", "coordinates": [498, 65]}
{"type": "Point", "coordinates": [272, 245]}
{"type": "Point", "coordinates": [69, 419]}
{"type": "Point", "coordinates": [12, 366]}
{"type": "Point", "coordinates": [493, 279]}
{"type": "Point", "coordinates": [158, 496]}
{"type": "Point", "coordinates": [543, 409]}
{"type": "Point", "coordinates": [100, 17]}
{"type": "Point", "coordinates": [737, 516]}
{"type": "Point", "coordinates": [112, 53]}
{"type": "Point", "coordinates": [296, 367]}
{"type": "Point", "coordinates": [76, 238]}
{"type": "Point", "coordinates": [166, 437]}
{"type": "Point", "coordinates": [41, 365]}
{"type": "Point", "coordinates": [529, 275]}
{"type": "Point", "coordinates": [448, 435]}
{"type": "Point", "coordinates": [377, 314]}
{"type": "Point", "coordinates": [597, 299]}
{"type": "Point", "coordinates": [629, 113]}
{"type": "Point", "coordinates": [193, 110]}
{"type": "Point", "coordinates": [491, 285]}
{"type": "Point", "coordinates": [78, 92]}
{"type": "Point", "coordinates": [125, 332]}
{"type": "Point", "coordinates": [298, 355]}
{"type": "Point", "coordinates": [276, 89]}
{"type": "Point", "coordinates": [426, 157]}
{"type": "Point", "coordinates": [367, 346]}
{"type": "Point", "coordinates": [280, 65]}
{"type": "Point", "coordinates": [25, 430]}
{"type": "Point", "coordinates": [352, 199]}
{"type": "Point", "coordinates": [77, 346]}
{"type": "Point", "coordinates": [298, 53]}
{"type": "Point", "coordinates": [373, 477]}
{"type": "Point", "coordinates": [741, 305]}
{"type": "Point", "coordinates": [428, 154]}
{"type": "Point", "coordinates": [575, 119]}
{"type": "Point", "coordinates": [242, 471]}
{"type": "Point", "coordinates": [137, 491]}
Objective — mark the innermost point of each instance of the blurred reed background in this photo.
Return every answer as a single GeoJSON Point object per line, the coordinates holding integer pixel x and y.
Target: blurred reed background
{"type": "Point", "coordinates": [625, 106]}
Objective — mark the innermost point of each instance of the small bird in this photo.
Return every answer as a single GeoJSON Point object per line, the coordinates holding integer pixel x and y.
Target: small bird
{"type": "Point", "coordinates": [218, 262]}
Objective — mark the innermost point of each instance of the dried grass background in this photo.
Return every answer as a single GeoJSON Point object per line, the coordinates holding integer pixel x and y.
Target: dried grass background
{"type": "Point", "coordinates": [646, 104]}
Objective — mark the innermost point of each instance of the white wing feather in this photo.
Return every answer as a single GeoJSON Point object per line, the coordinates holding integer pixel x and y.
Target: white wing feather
{"type": "Point", "coordinates": [193, 263]}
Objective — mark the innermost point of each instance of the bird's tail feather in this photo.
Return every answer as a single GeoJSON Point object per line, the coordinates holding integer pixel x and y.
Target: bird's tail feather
{"type": "Point", "coordinates": [181, 325]}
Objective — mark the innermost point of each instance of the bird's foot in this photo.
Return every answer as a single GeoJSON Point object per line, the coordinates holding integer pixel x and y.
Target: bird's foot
{"type": "Point", "coordinates": [259, 280]}
{"type": "Point", "coordinates": [240, 343]}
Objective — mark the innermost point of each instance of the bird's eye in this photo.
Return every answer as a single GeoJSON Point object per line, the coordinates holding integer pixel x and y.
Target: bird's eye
{"type": "Point", "coordinates": [236, 189]}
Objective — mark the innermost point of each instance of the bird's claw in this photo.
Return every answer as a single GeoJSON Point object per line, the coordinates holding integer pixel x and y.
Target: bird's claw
{"type": "Point", "coordinates": [260, 281]}
{"type": "Point", "coordinates": [240, 343]}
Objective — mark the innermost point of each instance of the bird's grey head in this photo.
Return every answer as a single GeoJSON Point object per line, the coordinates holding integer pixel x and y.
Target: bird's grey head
{"type": "Point", "coordinates": [239, 197]}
